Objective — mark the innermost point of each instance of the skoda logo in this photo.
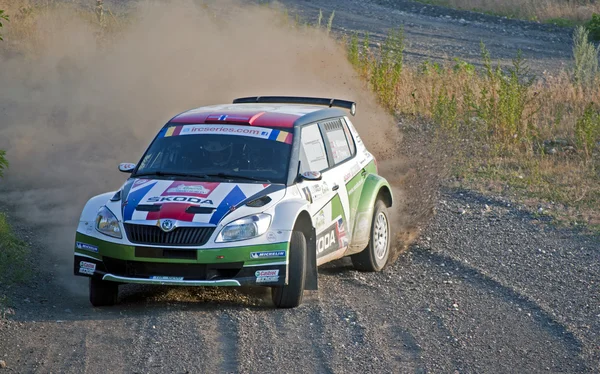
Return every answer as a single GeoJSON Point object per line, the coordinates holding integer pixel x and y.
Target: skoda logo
{"type": "Point", "coordinates": [167, 225]}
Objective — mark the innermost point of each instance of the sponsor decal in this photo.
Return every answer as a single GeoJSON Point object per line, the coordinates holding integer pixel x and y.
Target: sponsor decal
{"type": "Point", "coordinates": [165, 278]}
{"type": "Point", "coordinates": [271, 254]}
{"type": "Point", "coordinates": [327, 242]}
{"type": "Point", "coordinates": [255, 132]}
{"type": "Point", "coordinates": [194, 189]}
{"type": "Point", "coordinates": [140, 182]}
{"type": "Point", "coordinates": [356, 186]}
{"type": "Point", "coordinates": [320, 219]}
{"type": "Point", "coordinates": [307, 194]}
{"type": "Point", "coordinates": [264, 276]}
{"type": "Point", "coordinates": [86, 247]}
{"type": "Point", "coordinates": [178, 199]}
{"type": "Point", "coordinates": [266, 273]}
{"type": "Point", "coordinates": [86, 267]}
{"type": "Point", "coordinates": [267, 279]}
{"type": "Point", "coordinates": [353, 171]}
{"type": "Point", "coordinates": [341, 233]}
{"type": "Point", "coordinates": [271, 236]}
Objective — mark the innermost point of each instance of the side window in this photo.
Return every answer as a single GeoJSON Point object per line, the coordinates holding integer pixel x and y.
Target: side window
{"type": "Point", "coordinates": [338, 143]}
{"type": "Point", "coordinates": [349, 137]}
{"type": "Point", "coordinates": [312, 152]}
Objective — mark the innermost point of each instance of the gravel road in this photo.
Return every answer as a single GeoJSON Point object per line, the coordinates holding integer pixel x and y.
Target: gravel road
{"type": "Point", "coordinates": [487, 287]}
{"type": "Point", "coordinates": [441, 34]}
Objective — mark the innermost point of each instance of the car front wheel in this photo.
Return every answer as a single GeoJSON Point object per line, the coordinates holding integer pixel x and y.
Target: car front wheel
{"type": "Point", "coordinates": [375, 256]}
{"type": "Point", "coordinates": [290, 295]}
{"type": "Point", "coordinates": [103, 293]}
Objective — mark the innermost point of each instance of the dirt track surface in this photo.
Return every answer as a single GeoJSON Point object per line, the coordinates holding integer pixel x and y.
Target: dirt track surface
{"type": "Point", "coordinates": [441, 34]}
{"type": "Point", "coordinates": [492, 289]}
{"type": "Point", "coordinates": [488, 287]}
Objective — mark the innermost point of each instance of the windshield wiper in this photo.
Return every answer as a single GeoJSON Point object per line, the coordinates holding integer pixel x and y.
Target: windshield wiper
{"type": "Point", "coordinates": [233, 176]}
{"type": "Point", "coordinates": [169, 174]}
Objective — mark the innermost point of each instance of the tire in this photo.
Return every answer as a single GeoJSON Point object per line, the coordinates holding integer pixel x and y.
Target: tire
{"type": "Point", "coordinates": [103, 293]}
{"type": "Point", "coordinates": [377, 253]}
{"type": "Point", "coordinates": [290, 295]}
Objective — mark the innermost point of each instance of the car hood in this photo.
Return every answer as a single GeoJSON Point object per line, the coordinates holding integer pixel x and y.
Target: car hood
{"type": "Point", "coordinates": [188, 201]}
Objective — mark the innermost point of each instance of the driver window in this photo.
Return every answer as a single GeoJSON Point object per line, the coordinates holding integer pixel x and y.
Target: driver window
{"type": "Point", "coordinates": [312, 152]}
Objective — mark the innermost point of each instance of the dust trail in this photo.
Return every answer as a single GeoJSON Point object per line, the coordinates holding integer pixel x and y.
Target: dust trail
{"type": "Point", "coordinates": [78, 106]}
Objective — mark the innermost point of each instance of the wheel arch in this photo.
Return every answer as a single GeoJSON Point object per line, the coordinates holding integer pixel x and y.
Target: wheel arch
{"type": "Point", "coordinates": [375, 187]}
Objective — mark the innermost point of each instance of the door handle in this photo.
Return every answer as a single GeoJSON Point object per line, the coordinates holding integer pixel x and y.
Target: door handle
{"type": "Point", "coordinates": [335, 187]}
{"type": "Point", "coordinates": [364, 172]}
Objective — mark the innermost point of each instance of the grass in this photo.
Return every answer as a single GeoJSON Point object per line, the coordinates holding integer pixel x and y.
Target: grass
{"type": "Point", "coordinates": [14, 267]}
{"type": "Point", "coordinates": [26, 16]}
{"type": "Point", "coordinates": [535, 139]}
{"type": "Point", "coordinates": [562, 12]}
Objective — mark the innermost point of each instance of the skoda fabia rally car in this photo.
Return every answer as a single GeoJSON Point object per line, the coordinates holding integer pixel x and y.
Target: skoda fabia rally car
{"type": "Point", "coordinates": [258, 192]}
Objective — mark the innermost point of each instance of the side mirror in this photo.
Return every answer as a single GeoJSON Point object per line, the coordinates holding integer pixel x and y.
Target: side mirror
{"type": "Point", "coordinates": [311, 175]}
{"type": "Point", "coordinates": [126, 167]}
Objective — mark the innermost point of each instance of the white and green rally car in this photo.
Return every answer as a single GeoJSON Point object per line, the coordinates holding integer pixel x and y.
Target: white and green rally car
{"type": "Point", "coordinates": [258, 192]}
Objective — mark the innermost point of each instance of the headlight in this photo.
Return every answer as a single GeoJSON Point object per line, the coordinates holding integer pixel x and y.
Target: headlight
{"type": "Point", "coordinates": [245, 228]}
{"type": "Point", "coordinates": [107, 223]}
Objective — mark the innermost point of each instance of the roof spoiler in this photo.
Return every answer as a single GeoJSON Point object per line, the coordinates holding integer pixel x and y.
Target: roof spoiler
{"type": "Point", "coordinates": [350, 105]}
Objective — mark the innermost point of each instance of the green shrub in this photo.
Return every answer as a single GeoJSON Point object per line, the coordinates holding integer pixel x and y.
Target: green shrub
{"type": "Point", "coordinates": [585, 55]}
{"type": "Point", "coordinates": [13, 255]}
{"type": "Point", "coordinates": [353, 53]}
{"type": "Point", "coordinates": [3, 162]}
{"type": "Point", "coordinates": [3, 16]}
{"type": "Point", "coordinates": [587, 130]}
{"type": "Point", "coordinates": [593, 26]}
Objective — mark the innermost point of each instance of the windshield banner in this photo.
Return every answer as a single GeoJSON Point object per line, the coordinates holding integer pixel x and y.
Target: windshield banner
{"type": "Point", "coordinates": [254, 132]}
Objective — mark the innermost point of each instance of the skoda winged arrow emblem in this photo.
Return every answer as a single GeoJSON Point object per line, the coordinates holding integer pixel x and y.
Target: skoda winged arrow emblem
{"type": "Point", "coordinates": [167, 225]}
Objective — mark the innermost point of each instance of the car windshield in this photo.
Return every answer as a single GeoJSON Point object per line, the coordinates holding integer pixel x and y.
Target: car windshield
{"type": "Point", "coordinates": [219, 151]}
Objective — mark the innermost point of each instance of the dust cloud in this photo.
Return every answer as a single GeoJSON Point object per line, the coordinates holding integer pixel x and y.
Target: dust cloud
{"type": "Point", "coordinates": [82, 103]}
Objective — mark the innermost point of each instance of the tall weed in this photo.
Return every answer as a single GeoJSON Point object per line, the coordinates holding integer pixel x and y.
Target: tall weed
{"type": "Point", "coordinates": [586, 57]}
{"type": "Point", "coordinates": [4, 17]}
{"type": "Point", "coordinates": [587, 130]}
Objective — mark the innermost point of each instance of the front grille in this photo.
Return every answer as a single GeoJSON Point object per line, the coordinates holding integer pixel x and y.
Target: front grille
{"type": "Point", "coordinates": [183, 236]}
{"type": "Point", "coordinates": [139, 269]}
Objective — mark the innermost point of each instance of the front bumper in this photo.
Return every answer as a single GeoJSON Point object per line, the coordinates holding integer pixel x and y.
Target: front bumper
{"type": "Point", "coordinates": [264, 265]}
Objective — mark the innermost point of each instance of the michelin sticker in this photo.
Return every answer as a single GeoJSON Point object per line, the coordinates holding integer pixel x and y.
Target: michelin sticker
{"type": "Point", "coordinates": [263, 276]}
{"type": "Point", "coordinates": [87, 267]}
{"type": "Point", "coordinates": [271, 254]}
{"type": "Point", "coordinates": [86, 247]}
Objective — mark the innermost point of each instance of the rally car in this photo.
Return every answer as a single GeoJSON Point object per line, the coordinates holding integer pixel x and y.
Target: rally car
{"type": "Point", "coordinates": [258, 192]}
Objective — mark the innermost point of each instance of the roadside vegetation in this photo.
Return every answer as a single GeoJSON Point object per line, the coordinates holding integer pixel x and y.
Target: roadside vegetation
{"type": "Point", "coordinates": [562, 12]}
{"type": "Point", "coordinates": [13, 254]}
{"type": "Point", "coordinates": [533, 138]}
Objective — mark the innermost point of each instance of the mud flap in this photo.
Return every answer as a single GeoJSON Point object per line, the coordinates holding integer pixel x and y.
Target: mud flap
{"type": "Point", "coordinates": [311, 280]}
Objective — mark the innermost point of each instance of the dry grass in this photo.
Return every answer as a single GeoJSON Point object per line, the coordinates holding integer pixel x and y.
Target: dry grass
{"type": "Point", "coordinates": [539, 10]}
{"type": "Point", "coordinates": [509, 132]}
{"type": "Point", "coordinates": [27, 17]}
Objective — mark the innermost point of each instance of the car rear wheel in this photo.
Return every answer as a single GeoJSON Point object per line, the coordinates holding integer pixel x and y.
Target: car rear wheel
{"type": "Point", "coordinates": [103, 293]}
{"type": "Point", "coordinates": [290, 295]}
{"type": "Point", "coordinates": [375, 256]}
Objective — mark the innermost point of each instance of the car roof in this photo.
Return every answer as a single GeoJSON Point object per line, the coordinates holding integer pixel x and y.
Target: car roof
{"type": "Point", "coordinates": [261, 115]}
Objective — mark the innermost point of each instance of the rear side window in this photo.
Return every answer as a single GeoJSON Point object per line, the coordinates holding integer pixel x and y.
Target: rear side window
{"type": "Point", "coordinates": [312, 153]}
{"type": "Point", "coordinates": [338, 142]}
